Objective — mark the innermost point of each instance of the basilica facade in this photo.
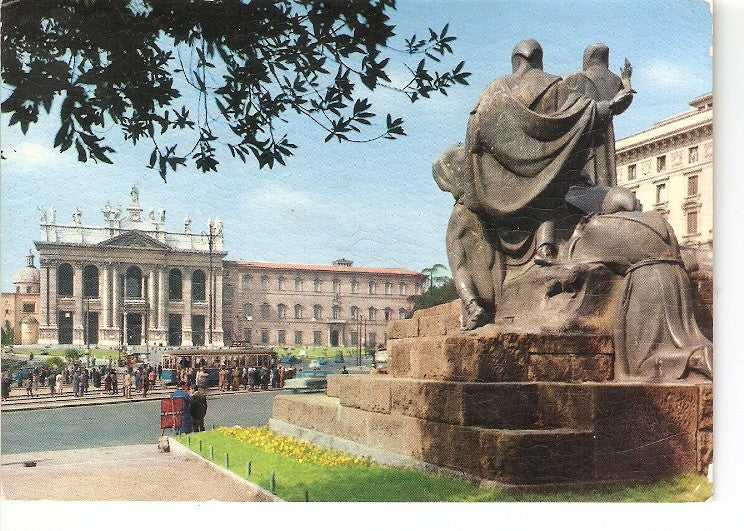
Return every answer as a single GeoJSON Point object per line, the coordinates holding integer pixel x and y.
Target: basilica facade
{"type": "Point", "coordinates": [129, 281]}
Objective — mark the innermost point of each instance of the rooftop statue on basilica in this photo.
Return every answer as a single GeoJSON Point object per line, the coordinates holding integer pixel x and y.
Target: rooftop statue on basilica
{"type": "Point", "coordinates": [539, 235]}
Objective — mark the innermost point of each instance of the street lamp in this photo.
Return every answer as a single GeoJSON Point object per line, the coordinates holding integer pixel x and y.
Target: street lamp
{"type": "Point", "coordinates": [215, 231]}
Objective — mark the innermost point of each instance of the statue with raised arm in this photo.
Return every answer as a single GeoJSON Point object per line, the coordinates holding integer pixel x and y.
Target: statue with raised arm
{"type": "Point", "coordinates": [597, 82]}
{"type": "Point", "coordinates": [162, 215]}
{"type": "Point", "coordinates": [135, 195]}
{"type": "Point", "coordinates": [106, 211]}
{"type": "Point", "coordinates": [76, 216]}
{"type": "Point", "coordinates": [42, 216]}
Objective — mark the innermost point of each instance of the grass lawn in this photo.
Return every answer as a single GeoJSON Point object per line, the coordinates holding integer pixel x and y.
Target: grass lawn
{"type": "Point", "coordinates": [312, 353]}
{"type": "Point", "coordinates": [374, 483]}
{"type": "Point", "coordinates": [60, 351]}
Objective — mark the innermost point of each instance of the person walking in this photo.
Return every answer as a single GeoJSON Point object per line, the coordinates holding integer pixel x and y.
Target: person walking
{"type": "Point", "coordinates": [145, 385]}
{"type": "Point", "coordinates": [221, 378]}
{"type": "Point", "coordinates": [50, 382]}
{"type": "Point", "coordinates": [198, 409]}
{"type": "Point", "coordinates": [107, 382]}
{"type": "Point", "coordinates": [202, 380]}
{"type": "Point", "coordinates": [84, 379]}
{"type": "Point", "coordinates": [76, 383]}
{"type": "Point", "coordinates": [127, 385]}
{"type": "Point", "coordinates": [160, 371]}
{"type": "Point", "coordinates": [151, 377]}
{"type": "Point", "coordinates": [35, 381]}
{"type": "Point", "coordinates": [236, 379]}
{"type": "Point", "coordinates": [30, 384]}
{"type": "Point", "coordinates": [114, 382]}
{"type": "Point", "coordinates": [137, 382]}
{"type": "Point", "coordinates": [59, 380]}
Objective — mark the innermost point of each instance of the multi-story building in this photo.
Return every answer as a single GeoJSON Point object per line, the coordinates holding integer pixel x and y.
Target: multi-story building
{"type": "Point", "coordinates": [669, 167]}
{"type": "Point", "coordinates": [130, 281]}
{"type": "Point", "coordinates": [20, 307]}
{"type": "Point", "coordinates": [304, 305]}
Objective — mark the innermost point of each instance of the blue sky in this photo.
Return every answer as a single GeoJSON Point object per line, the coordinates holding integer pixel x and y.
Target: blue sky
{"type": "Point", "coordinates": [375, 203]}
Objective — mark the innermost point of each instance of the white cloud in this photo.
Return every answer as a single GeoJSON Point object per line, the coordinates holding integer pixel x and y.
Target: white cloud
{"type": "Point", "coordinates": [667, 75]}
{"type": "Point", "coordinates": [32, 153]}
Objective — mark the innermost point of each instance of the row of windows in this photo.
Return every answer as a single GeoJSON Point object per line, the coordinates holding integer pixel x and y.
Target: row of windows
{"type": "Point", "coordinates": [692, 189]}
{"type": "Point", "coordinates": [133, 283]}
{"type": "Point", "coordinates": [299, 285]}
{"type": "Point", "coordinates": [317, 313]}
{"type": "Point", "coordinates": [264, 337]}
{"type": "Point", "coordinates": [661, 163]}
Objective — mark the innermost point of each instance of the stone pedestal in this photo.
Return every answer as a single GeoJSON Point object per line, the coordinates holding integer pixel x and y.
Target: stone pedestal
{"type": "Point", "coordinates": [518, 409]}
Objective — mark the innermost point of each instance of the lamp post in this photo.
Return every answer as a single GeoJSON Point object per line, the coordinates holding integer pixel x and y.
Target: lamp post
{"type": "Point", "coordinates": [215, 231]}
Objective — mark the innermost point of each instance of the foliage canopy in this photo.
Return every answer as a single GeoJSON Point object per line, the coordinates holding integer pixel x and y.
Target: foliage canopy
{"type": "Point", "coordinates": [216, 77]}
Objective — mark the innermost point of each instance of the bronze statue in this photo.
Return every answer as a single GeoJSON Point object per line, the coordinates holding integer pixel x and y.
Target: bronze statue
{"type": "Point", "coordinates": [538, 235]}
{"type": "Point", "coordinates": [598, 82]}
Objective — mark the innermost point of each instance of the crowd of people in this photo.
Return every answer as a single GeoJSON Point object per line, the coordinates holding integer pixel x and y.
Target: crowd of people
{"type": "Point", "coordinates": [233, 378]}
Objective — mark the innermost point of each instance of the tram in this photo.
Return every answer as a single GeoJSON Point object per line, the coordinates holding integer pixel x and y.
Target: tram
{"type": "Point", "coordinates": [213, 360]}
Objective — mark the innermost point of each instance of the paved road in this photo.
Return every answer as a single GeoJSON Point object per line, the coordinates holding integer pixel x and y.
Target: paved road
{"type": "Point", "coordinates": [118, 424]}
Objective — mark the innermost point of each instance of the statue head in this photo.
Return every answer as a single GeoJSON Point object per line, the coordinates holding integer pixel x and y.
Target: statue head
{"type": "Point", "coordinates": [596, 55]}
{"type": "Point", "coordinates": [527, 52]}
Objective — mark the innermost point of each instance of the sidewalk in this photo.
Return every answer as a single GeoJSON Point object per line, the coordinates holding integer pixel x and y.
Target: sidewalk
{"type": "Point", "coordinates": [18, 400]}
{"type": "Point", "coordinates": [127, 473]}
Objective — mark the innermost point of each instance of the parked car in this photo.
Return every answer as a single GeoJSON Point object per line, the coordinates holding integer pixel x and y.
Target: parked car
{"type": "Point", "coordinates": [321, 361]}
{"type": "Point", "coordinates": [339, 358]}
{"type": "Point", "coordinates": [291, 360]}
{"type": "Point", "coordinates": [314, 364]}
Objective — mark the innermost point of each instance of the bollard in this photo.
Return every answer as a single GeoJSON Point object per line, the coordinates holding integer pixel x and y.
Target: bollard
{"type": "Point", "coordinates": [247, 468]}
{"type": "Point", "coordinates": [272, 482]}
{"type": "Point", "coordinates": [211, 452]}
{"type": "Point", "coordinates": [200, 446]}
{"type": "Point", "coordinates": [227, 460]}
{"type": "Point", "coordinates": [213, 425]}
{"type": "Point", "coordinates": [307, 495]}
{"type": "Point", "coordinates": [188, 440]}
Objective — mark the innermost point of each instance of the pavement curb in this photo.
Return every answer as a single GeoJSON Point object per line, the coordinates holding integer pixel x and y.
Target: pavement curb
{"type": "Point", "coordinates": [180, 449]}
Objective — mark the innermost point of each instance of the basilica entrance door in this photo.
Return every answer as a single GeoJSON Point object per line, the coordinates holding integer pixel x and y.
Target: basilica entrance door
{"type": "Point", "coordinates": [334, 338]}
{"type": "Point", "coordinates": [134, 329]}
{"type": "Point", "coordinates": [64, 328]}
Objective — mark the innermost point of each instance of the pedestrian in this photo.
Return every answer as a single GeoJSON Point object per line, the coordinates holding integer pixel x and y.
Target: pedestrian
{"type": "Point", "coordinates": [30, 384]}
{"type": "Point", "coordinates": [107, 382]}
{"type": "Point", "coordinates": [136, 381]}
{"type": "Point", "coordinates": [221, 378]}
{"type": "Point", "coordinates": [84, 382]}
{"type": "Point", "coordinates": [198, 409]}
{"type": "Point", "coordinates": [75, 383]}
{"type": "Point", "coordinates": [265, 376]}
{"type": "Point", "coordinates": [127, 385]}
{"type": "Point", "coordinates": [35, 381]}
{"type": "Point", "coordinates": [160, 371]}
{"type": "Point", "coordinates": [274, 377]}
{"type": "Point", "coordinates": [281, 376]}
{"type": "Point", "coordinates": [7, 382]}
{"type": "Point", "coordinates": [202, 379]}
{"type": "Point", "coordinates": [344, 371]}
{"type": "Point", "coordinates": [236, 379]}
{"type": "Point", "coordinates": [114, 382]}
{"type": "Point", "coordinates": [59, 383]}
{"type": "Point", "coordinates": [151, 376]}
{"type": "Point", "coordinates": [50, 382]}
{"type": "Point", "coordinates": [145, 385]}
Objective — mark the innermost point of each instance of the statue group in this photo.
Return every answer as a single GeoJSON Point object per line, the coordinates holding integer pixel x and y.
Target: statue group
{"type": "Point", "coordinates": [540, 233]}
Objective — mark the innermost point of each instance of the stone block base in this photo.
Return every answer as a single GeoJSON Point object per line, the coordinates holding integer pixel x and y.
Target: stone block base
{"type": "Point", "coordinates": [518, 433]}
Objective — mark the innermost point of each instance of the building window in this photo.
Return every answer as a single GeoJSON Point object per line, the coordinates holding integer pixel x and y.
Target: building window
{"type": "Point", "coordinates": [133, 283]}
{"type": "Point", "coordinates": [227, 295]}
{"type": "Point", "coordinates": [316, 338]}
{"type": "Point", "coordinates": [280, 283]}
{"type": "Point", "coordinates": [264, 336]}
{"type": "Point", "coordinates": [298, 311]}
{"type": "Point", "coordinates": [372, 340]}
{"type": "Point", "coordinates": [90, 282]}
{"type": "Point", "coordinates": [631, 172]}
{"type": "Point", "coordinates": [281, 336]}
{"type": "Point", "coordinates": [265, 311]}
{"type": "Point", "coordinates": [354, 286]}
{"type": "Point", "coordinates": [246, 282]}
{"type": "Point", "coordinates": [29, 307]}
{"type": "Point", "coordinates": [199, 286]}
{"type": "Point", "coordinates": [28, 289]}
{"type": "Point", "coordinates": [417, 289]}
{"type": "Point", "coordinates": [317, 311]}
{"type": "Point", "coordinates": [317, 285]}
{"type": "Point", "coordinates": [248, 310]}
{"type": "Point", "coordinates": [388, 288]}
{"type": "Point", "coordinates": [247, 333]}
{"type": "Point", "coordinates": [402, 313]}
{"type": "Point", "coordinates": [692, 185]}
{"type": "Point", "coordinates": [175, 285]}
{"type": "Point", "coordinates": [372, 313]}
{"type": "Point", "coordinates": [337, 312]}
{"type": "Point", "coordinates": [388, 314]}
{"type": "Point", "coordinates": [298, 337]}
{"type": "Point", "coordinates": [661, 163]}
{"type": "Point", "coordinates": [64, 280]}
{"type": "Point", "coordinates": [281, 311]}
{"type": "Point", "coordinates": [355, 338]}
{"type": "Point", "coordinates": [692, 224]}
{"type": "Point", "coordinates": [336, 285]}
{"type": "Point", "coordinates": [692, 155]}
{"type": "Point", "coordinates": [355, 312]}
{"type": "Point", "coordinates": [402, 288]}
{"type": "Point", "coordinates": [298, 284]}
{"type": "Point", "coordinates": [661, 195]}
{"type": "Point", "coordinates": [371, 287]}
{"type": "Point", "coordinates": [265, 283]}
